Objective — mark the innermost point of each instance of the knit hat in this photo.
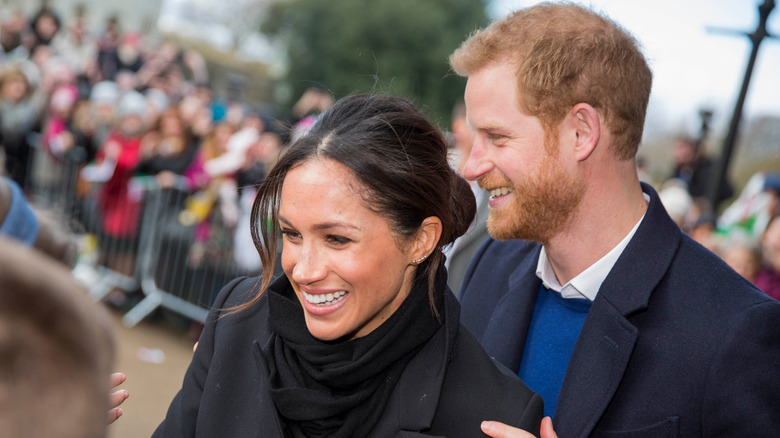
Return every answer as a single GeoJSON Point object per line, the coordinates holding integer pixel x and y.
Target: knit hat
{"type": "Point", "coordinates": [105, 92]}
{"type": "Point", "coordinates": [132, 103]}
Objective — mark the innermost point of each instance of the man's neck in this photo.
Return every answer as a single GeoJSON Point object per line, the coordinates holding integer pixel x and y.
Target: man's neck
{"type": "Point", "coordinates": [604, 218]}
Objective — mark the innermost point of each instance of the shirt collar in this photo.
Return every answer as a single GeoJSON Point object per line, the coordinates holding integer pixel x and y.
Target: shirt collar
{"type": "Point", "coordinates": [587, 283]}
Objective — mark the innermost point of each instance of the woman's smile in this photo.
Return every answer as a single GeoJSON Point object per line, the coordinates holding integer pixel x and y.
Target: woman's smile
{"type": "Point", "coordinates": [322, 304]}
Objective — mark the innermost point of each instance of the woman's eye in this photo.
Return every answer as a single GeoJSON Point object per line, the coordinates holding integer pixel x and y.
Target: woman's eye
{"type": "Point", "coordinates": [338, 240]}
{"type": "Point", "coordinates": [291, 235]}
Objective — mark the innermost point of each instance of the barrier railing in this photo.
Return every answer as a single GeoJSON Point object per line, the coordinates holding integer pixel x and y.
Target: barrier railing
{"type": "Point", "coordinates": [182, 262]}
{"type": "Point", "coordinates": [144, 237]}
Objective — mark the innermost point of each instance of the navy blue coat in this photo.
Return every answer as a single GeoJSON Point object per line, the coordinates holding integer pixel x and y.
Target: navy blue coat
{"type": "Point", "coordinates": [675, 344]}
{"type": "Point", "coordinates": [446, 389]}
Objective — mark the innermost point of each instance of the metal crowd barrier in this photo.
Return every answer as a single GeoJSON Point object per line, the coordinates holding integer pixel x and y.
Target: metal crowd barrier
{"type": "Point", "coordinates": [176, 270]}
{"type": "Point", "coordinates": [53, 185]}
{"type": "Point", "coordinates": [161, 250]}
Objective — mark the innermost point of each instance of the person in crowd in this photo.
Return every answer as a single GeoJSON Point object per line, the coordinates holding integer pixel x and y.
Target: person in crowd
{"type": "Point", "coordinates": [20, 107]}
{"type": "Point", "coordinates": [167, 150]}
{"type": "Point", "coordinates": [76, 45]}
{"type": "Point", "coordinates": [107, 57]}
{"type": "Point", "coordinates": [768, 278]}
{"type": "Point", "coordinates": [44, 26]}
{"type": "Point", "coordinates": [58, 119]}
{"type": "Point", "coordinates": [260, 158]}
{"type": "Point", "coordinates": [58, 350]}
{"type": "Point", "coordinates": [704, 231]}
{"type": "Point", "coordinates": [460, 252]}
{"type": "Point", "coordinates": [771, 193]}
{"type": "Point", "coordinates": [104, 99]}
{"type": "Point", "coordinates": [233, 158]}
{"type": "Point", "coordinates": [312, 102]}
{"type": "Point", "coordinates": [588, 290]}
{"type": "Point", "coordinates": [693, 166]}
{"type": "Point", "coordinates": [743, 255]}
{"type": "Point", "coordinates": [119, 206]}
{"type": "Point", "coordinates": [11, 30]}
{"type": "Point", "coordinates": [677, 201]}
{"type": "Point", "coordinates": [129, 52]}
{"type": "Point", "coordinates": [360, 336]}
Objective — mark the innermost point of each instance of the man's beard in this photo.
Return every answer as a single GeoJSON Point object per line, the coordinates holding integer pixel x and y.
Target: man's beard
{"type": "Point", "coordinates": [541, 205]}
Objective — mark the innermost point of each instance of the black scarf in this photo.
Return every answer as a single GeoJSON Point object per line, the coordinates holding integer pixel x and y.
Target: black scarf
{"type": "Point", "coordinates": [340, 388]}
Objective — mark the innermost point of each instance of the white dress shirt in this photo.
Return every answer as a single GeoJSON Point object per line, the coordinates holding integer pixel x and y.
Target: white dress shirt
{"type": "Point", "coordinates": [587, 283]}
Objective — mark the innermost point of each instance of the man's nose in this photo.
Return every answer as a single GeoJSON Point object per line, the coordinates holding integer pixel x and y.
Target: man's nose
{"type": "Point", "coordinates": [478, 162]}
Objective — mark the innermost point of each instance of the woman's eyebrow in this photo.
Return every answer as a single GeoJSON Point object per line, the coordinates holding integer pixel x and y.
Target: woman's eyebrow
{"type": "Point", "coordinates": [324, 225]}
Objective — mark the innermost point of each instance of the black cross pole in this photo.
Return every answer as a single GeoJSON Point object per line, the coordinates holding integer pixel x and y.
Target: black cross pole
{"type": "Point", "coordinates": [756, 37]}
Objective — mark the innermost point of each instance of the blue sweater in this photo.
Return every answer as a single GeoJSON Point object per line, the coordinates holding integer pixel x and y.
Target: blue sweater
{"type": "Point", "coordinates": [555, 326]}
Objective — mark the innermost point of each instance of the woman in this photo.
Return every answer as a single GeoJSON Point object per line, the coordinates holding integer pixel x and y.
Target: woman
{"type": "Point", "coordinates": [166, 151]}
{"type": "Point", "coordinates": [360, 336]}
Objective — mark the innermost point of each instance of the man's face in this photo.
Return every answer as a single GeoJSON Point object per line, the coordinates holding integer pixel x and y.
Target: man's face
{"type": "Point", "coordinates": [533, 194]}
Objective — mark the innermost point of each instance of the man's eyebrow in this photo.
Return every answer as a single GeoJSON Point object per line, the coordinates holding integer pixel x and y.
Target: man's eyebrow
{"type": "Point", "coordinates": [487, 126]}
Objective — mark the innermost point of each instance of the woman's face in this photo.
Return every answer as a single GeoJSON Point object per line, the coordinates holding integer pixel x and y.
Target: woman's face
{"type": "Point", "coordinates": [14, 89]}
{"type": "Point", "coordinates": [171, 126]}
{"type": "Point", "coordinates": [347, 267]}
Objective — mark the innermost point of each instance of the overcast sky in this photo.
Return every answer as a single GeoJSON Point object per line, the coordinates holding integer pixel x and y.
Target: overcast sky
{"type": "Point", "coordinates": [694, 67]}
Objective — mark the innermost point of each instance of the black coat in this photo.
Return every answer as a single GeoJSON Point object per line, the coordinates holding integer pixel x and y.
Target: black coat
{"type": "Point", "coordinates": [675, 344]}
{"type": "Point", "coordinates": [443, 391]}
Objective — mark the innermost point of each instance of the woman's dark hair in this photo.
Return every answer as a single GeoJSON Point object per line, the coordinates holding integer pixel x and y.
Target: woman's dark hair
{"type": "Point", "coordinates": [396, 154]}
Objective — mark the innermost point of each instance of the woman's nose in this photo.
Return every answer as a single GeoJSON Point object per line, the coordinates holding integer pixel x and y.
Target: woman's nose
{"type": "Point", "coordinates": [309, 266]}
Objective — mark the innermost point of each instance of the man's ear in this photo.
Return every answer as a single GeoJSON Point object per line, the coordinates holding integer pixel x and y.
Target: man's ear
{"type": "Point", "coordinates": [427, 238]}
{"type": "Point", "coordinates": [585, 121]}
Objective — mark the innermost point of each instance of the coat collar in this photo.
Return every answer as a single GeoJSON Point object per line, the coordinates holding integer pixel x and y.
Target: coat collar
{"type": "Point", "coordinates": [268, 422]}
{"type": "Point", "coordinates": [413, 404]}
{"type": "Point", "coordinates": [505, 335]}
{"type": "Point", "coordinates": [607, 339]}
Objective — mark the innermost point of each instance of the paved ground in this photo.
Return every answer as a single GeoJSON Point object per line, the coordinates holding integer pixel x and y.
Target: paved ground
{"type": "Point", "coordinates": [151, 385]}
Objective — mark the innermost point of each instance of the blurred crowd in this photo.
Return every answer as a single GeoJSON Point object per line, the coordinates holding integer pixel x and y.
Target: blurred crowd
{"type": "Point", "coordinates": [115, 106]}
{"type": "Point", "coordinates": [743, 229]}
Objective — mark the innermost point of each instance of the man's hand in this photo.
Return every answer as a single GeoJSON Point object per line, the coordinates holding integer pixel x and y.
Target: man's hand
{"type": "Point", "coordinates": [117, 398]}
{"type": "Point", "coordinates": [500, 430]}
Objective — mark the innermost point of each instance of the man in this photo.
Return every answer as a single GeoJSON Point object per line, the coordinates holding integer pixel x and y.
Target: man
{"type": "Point", "coordinates": [697, 170]}
{"type": "Point", "coordinates": [587, 289]}
{"type": "Point", "coordinates": [462, 250]}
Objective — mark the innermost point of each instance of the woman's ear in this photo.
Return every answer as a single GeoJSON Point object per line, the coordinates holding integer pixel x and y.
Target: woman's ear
{"type": "Point", "coordinates": [426, 239]}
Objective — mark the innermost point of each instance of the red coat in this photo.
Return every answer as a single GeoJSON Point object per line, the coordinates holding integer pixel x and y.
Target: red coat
{"type": "Point", "coordinates": [120, 208]}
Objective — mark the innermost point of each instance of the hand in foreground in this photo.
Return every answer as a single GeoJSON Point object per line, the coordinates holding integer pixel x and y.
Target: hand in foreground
{"type": "Point", "coordinates": [500, 430]}
{"type": "Point", "coordinates": [117, 398]}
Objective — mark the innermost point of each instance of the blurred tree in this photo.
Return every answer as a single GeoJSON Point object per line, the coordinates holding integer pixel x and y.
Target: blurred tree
{"type": "Point", "coordinates": [397, 46]}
